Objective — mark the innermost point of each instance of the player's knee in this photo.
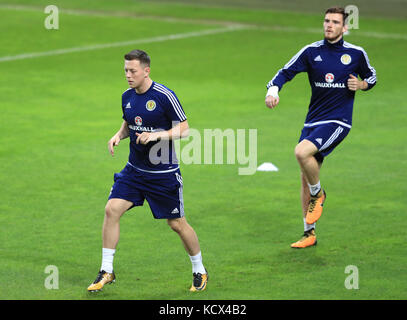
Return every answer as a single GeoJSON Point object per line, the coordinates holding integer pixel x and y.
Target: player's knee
{"type": "Point", "coordinates": [176, 225]}
{"type": "Point", "coordinates": [299, 153]}
{"type": "Point", "coordinates": [112, 211]}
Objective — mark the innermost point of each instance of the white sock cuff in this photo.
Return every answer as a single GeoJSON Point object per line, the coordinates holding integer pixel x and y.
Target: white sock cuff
{"type": "Point", "coordinates": [197, 265]}
{"type": "Point", "coordinates": [307, 226]}
{"type": "Point", "coordinates": [197, 257]}
{"type": "Point", "coordinates": [107, 251]}
{"type": "Point", "coordinates": [314, 189]}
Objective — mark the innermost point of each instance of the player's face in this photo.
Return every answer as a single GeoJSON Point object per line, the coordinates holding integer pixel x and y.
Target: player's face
{"type": "Point", "coordinates": [136, 73]}
{"type": "Point", "coordinates": [334, 26]}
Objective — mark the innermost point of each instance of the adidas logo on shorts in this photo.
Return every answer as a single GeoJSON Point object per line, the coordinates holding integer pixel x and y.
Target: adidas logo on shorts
{"type": "Point", "coordinates": [175, 211]}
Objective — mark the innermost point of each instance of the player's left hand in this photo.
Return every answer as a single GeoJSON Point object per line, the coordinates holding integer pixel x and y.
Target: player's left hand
{"type": "Point", "coordinates": [146, 137]}
{"type": "Point", "coordinates": [272, 102]}
{"type": "Point", "coordinates": [353, 83]}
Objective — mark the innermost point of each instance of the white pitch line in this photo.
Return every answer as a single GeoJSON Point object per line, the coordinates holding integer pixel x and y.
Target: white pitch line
{"type": "Point", "coordinates": [122, 14]}
{"type": "Point", "coordinates": [360, 33]}
{"type": "Point", "coordinates": [122, 44]}
{"type": "Point", "coordinates": [231, 26]}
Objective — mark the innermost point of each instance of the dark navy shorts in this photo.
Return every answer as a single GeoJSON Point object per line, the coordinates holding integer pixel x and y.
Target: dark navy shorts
{"type": "Point", "coordinates": [163, 191]}
{"type": "Point", "coordinates": [326, 137]}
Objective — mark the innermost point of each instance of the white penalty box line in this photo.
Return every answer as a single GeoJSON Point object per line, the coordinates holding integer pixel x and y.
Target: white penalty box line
{"type": "Point", "coordinates": [169, 37]}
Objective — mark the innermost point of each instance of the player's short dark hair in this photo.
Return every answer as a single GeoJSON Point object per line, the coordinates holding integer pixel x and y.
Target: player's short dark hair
{"type": "Point", "coordinates": [339, 10]}
{"type": "Point", "coordinates": [139, 55]}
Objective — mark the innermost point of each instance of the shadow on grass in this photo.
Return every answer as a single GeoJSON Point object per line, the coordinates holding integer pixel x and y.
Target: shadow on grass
{"type": "Point", "coordinates": [296, 259]}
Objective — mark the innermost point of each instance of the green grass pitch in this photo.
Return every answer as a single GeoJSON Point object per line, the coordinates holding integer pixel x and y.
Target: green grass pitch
{"type": "Point", "coordinates": [58, 112]}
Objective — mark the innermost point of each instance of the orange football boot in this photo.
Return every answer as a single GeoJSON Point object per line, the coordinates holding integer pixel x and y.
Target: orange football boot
{"type": "Point", "coordinates": [309, 239]}
{"type": "Point", "coordinates": [199, 281]}
{"type": "Point", "coordinates": [315, 207]}
{"type": "Point", "coordinates": [102, 279]}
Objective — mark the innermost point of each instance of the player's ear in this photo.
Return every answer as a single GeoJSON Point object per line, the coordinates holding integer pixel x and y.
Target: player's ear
{"type": "Point", "coordinates": [345, 28]}
{"type": "Point", "coordinates": [146, 72]}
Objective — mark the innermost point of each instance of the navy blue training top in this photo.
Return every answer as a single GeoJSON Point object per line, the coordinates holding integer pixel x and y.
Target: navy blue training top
{"type": "Point", "coordinates": [328, 67]}
{"type": "Point", "coordinates": [156, 109]}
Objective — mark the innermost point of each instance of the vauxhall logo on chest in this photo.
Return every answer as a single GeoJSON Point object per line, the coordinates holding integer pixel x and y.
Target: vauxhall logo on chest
{"type": "Point", "coordinates": [139, 125]}
{"type": "Point", "coordinates": [329, 82]}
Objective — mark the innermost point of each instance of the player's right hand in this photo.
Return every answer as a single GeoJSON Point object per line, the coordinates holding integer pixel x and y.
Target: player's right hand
{"type": "Point", "coordinates": [271, 101]}
{"type": "Point", "coordinates": [114, 141]}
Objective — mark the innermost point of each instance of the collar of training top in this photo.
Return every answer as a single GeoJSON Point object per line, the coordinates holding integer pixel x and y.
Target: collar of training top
{"type": "Point", "coordinates": [334, 45]}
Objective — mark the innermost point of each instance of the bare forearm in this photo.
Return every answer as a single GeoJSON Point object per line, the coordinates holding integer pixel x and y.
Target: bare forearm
{"type": "Point", "coordinates": [181, 130]}
{"type": "Point", "coordinates": [123, 132]}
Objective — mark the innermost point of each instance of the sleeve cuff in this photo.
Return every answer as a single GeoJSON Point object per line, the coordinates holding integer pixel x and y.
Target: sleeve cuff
{"type": "Point", "coordinates": [273, 91]}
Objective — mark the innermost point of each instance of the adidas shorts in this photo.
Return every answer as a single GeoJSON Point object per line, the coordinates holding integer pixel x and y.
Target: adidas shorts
{"type": "Point", "coordinates": [163, 191]}
{"type": "Point", "coordinates": [325, 137]}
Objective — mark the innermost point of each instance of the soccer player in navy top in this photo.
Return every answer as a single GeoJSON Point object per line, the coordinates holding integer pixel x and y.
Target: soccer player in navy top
{"type": "Point", "coordinates": [333, 66]}
{"type": "Point", "coordinates": [152, 117]}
